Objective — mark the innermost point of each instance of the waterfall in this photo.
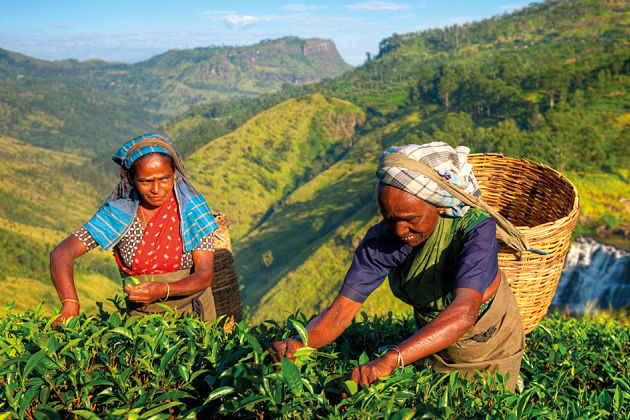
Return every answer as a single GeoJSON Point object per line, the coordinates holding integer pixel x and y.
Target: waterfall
{"type": "Point", "coordinates": [593, 273]}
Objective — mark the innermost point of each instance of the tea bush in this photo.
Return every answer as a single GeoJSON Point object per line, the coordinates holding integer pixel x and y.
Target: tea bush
{"type": "Point", "coordinates": [112, 366]}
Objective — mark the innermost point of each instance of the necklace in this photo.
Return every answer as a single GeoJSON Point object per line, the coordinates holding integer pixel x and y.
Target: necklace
{"type": "Point", "coordinates": [143, 217]}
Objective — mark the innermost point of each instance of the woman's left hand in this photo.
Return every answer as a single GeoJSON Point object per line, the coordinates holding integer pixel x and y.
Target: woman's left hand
{"type": "Point", "coordinates": [370, 372]}
{"type": "Point", "coordinates": [146, 292]}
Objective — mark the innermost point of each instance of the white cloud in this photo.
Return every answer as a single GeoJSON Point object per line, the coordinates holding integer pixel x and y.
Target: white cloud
{"type": "Point", "coordinates": [234, 21]}
{"type": "Point", "coordinates": [378, 6]}
{"type": "Point", "coordinates": [298, 7]}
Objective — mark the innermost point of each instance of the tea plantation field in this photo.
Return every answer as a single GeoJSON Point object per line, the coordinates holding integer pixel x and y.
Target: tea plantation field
{"type": "Point", "coordinates": [109, 366]}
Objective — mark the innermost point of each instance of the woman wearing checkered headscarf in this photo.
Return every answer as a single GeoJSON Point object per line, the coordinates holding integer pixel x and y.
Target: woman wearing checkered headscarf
{"type": "Point", "coordinates": [440, 255]}
{"type": "Point", "coordinates": [160, 229]}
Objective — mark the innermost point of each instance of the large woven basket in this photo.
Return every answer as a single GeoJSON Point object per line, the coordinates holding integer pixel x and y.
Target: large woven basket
{"type": "Point", "coordinates": [544, 206]}
{"type": "Point", "coordinates": [227, 297]}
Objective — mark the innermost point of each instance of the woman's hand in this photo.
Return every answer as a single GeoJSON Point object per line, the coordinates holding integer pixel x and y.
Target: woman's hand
{"type": "Point", "coordinates": [370, 372]}
{"type": "Point", "coordinates": [146, 292]}
{"type": "Point", "coordinates": [322, 329]}
{"type": "Point", "coordinates": [69, 310]}
{"type": "Point", "coordinates": [285, 348]}
{"type": "Point", "coordinates": [62, 274]}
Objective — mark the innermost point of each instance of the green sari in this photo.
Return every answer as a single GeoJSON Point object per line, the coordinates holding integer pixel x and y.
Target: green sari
{"type": "Point", "coordinates": [425, 281]}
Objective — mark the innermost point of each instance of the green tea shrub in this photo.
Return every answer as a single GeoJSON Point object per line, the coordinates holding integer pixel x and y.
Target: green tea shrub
{"type": "Point", "coordinates": [112, 366]}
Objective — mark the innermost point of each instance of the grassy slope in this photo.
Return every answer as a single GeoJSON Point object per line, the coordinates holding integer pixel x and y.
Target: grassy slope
{"type": "Point", "coordinates": [29, 246]}
{"type": "Point", "coordinates": [247, 172]}
{"type": "Point", "coordinates": [42, 203]}
{"type": "Point", "coordinates": [39, 187]}
{"type": "Point", "coordinates": [605, 204]}
{"type": "Point", "coordinates": [313, 235]}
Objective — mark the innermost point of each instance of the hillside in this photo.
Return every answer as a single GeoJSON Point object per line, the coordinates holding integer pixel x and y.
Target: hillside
{"type": "Point", "coordinates": [249, 172]}
{"type": "Point", "coordinates": [571, 114]}
{"type": "Point", "coordinates": [88, 107]}
{"type": "Point", "coordinates": [43, 200]}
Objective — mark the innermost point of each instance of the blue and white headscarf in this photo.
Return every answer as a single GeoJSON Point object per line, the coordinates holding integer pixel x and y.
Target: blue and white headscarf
{"type": "Point", "coordinates": [114, 217]}
{"type": "Point", "coordinates": [449, 162]}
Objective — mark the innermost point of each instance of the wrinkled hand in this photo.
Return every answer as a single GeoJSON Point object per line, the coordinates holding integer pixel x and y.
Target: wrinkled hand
{"type": "Point", "coordinates": [146, 292]}
{"type": "Point", "coordinates": [284, 348]}
{"type": "Point", "coordinates": [69, 310]}
{"type": "Point", "coordinates": [370, 372]}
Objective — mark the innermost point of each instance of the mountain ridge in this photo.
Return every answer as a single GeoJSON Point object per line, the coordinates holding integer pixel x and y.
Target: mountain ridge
{"type": "Point", "coordinates": [47, 103]}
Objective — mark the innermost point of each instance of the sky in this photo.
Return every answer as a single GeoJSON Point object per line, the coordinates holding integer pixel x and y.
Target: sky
{"type": "Point", "coordinates": [135, 30]}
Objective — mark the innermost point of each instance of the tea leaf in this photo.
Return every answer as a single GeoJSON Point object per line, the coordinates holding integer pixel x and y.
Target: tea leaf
{"type": "Point", "coordinates": [26, 400]}
{"type": "Point", "coordinates": [301, 331]}
{"type": "Point", "coordinates": [159, 409]}
{"type": "Point", "coordinates": [122, 331]}
{"type": "Point", "coordinates": [292, 376]}
{"type": "Point", "coordinates": [219, 392]}
{"type": "Point", "coordinates": [364, 358]}
{"type": "Point", "coordinates": [351, 386]}
{"type": "Point", "coordinates": [33, 361]}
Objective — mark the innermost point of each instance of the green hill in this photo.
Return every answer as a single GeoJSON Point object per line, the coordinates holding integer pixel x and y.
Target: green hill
{"type": "Point", "coordinates": [43, 200]}
{"type": "Point", "coordinates": [556, 93]}
{"type": "Point", "coordinates": [251, 171]}
{"type": "Point", "coordinates": [88, 107]}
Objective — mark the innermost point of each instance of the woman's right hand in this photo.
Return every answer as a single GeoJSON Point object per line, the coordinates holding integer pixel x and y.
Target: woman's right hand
{"type": "Point", "coordinates": [69, 310]}
{"type": "Point", "coordinates": [146, 292]}
{"type": "Point", "coordinates": [285, 348]}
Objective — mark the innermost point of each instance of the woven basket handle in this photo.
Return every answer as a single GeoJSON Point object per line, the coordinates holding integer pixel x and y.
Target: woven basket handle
{"type": "Point", "coordinates": [508, 233]}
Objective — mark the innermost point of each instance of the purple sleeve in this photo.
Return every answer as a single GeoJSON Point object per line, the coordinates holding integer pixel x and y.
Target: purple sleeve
{"type": "Point", "coordinates": [378, 252]}
{"type": "Point", "coordinates": [478, 263]}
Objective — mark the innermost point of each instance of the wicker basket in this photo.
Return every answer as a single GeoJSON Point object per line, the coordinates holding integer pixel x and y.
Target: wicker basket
{"type": "Point", "coordinates": [227, 297]}
{"type": "Point", "coordinates": [544, 206]}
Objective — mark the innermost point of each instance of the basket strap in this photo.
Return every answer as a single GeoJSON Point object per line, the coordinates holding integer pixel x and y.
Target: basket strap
{"type": "Point", "coordinates": [508, 233]}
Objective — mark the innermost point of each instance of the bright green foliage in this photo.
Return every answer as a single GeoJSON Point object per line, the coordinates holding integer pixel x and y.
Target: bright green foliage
{"type": "Point", "coordinates": [111, 366]}
{"type": "Point", "coordinates": [603, 204]}
{"type": "Point", "coordinates": [249, 171]}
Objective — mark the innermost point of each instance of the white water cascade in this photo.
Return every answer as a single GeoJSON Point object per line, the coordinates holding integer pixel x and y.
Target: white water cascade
{"type": "Point", "coordinates": [593, 274]}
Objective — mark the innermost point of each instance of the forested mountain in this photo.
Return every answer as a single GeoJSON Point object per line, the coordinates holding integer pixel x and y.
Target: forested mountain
{"type": "Point", "coordinates": [88, 107]}
{"type": "Point", "coordinates": [294, 169]}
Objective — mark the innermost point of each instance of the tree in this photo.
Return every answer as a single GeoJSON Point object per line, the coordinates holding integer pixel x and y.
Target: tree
{"type": "Point", "coordinates": [446, 86]}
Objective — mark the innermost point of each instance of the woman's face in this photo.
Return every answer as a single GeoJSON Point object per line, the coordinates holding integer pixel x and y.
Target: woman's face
{"type": "Point", "coordinates": [154, 180]}
{"type": "Point", "coordinates": [412, 219]}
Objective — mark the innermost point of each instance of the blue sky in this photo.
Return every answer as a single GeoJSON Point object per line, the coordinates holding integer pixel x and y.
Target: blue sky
{"type": "Point", "coordinates": [132, 31]}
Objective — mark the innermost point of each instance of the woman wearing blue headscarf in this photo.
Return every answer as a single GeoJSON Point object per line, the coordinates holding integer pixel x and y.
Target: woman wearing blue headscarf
{"type": "Point", "coordinates": [159, 228]}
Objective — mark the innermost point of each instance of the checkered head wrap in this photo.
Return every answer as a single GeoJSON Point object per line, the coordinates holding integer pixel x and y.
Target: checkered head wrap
{"type": "Point", "coordinates": [449, 163]}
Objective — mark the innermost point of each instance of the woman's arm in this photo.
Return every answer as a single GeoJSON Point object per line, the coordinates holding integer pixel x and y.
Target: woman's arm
{"type": "Point", "coordinates": [62, 275]}
{"type": "Point", "coordinates": [147, 292]}
{"type": "Point", "coordinates": [438, 334]}
{"type": "Point", "coordinates": [321, 330]}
